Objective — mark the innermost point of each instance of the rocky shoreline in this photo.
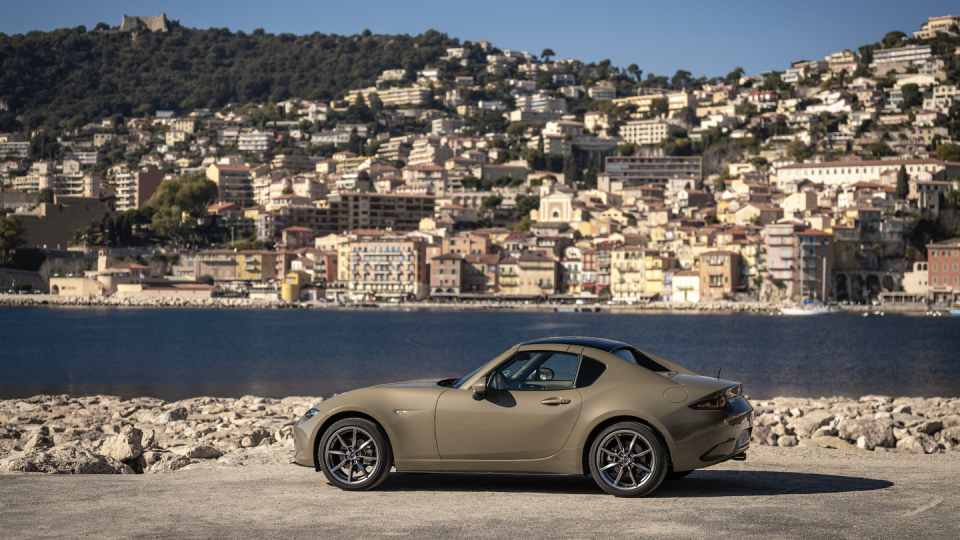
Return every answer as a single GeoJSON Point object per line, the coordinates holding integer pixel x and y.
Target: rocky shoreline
{"type": "Point", "coordinates": [247, 303]}
{"type": "Point", "coordinates": [109, 435]}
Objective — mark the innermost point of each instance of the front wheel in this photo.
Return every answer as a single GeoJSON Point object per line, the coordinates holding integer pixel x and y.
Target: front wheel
{"type": "Point", "coordinates": [628, 460]}
{"type": "Point", "coordinates": [355, 455]}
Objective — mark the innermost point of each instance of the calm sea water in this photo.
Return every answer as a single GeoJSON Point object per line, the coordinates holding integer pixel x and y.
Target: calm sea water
{"type": "Point", "coordinates": [177, 353]}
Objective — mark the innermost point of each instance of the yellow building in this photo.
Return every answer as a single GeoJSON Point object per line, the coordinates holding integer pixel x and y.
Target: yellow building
{"type": "Point", "coordinates": [675, 102]}
{"type": "Point", "coordinates": [292, 284]}
{"type": "Point", "coordinates": [509, 279]}
{"type": "Point", "coordinates": [799, 202]}
{"type": "Point", "coordinates": [845, 244]}
{"type": "Point", "coordinates": [626, 273]}
{"type": "Point", "coordinates": [653, 268]}
{"type": "Point", "coordinates": [256, 265]}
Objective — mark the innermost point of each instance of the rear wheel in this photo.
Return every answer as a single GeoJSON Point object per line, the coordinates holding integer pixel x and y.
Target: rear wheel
{"type": "Point", "coordinates": [354, 454]}
{"type": "Point", "coordinates": [628, 460]}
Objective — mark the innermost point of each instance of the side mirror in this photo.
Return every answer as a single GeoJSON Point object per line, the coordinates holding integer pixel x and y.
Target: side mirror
{"type": "Point", "coordinates": [480, 388]}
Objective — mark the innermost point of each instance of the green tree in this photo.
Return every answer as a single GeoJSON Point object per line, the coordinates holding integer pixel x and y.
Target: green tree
{"type": "Point", "coordinates": [734, 76]}
{"type": "Point", "coordinates": [45, 195]}
{"type": "Point", "coordinates": [659, 107]}
{"type": "Point", "coordinates": [911, 96]}
{"type": "Point", "coordinates": [903, 186]}
{"type": "Point", "coordinates": [493, 201]}
{"type": "Point", "coordinates": [546, 54]}
{"type": "Point", "coordinates": [948, 152]}
{"type": "Point", "coordinates": [627, 149]}
{"type": "Point", "coordinates": [893, 38]}
{"type": "Point", "coordinates": [206, 279]}
{"type": "Point", "coordinates": [191, 195]}
{"type": "Point", "coordinates": [719, 184]}
{"type": "Point", "coordinates": [11, 238]}
{"type": "Point", "coordinates": [146, 110]}
{"type": "Point", "coordinates": [526, 203]}
{"type": "Point", "coordinates": [524, 225]}
{"type": "Point", "coordinates": [953, 198]}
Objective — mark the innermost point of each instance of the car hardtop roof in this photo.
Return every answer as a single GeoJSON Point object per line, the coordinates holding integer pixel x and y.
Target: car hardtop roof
{"type": "Point", "coordinates": [605, 345]}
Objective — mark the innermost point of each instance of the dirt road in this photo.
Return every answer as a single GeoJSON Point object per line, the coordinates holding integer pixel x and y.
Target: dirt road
{"type": "Point", "coordinates": [803, 492]}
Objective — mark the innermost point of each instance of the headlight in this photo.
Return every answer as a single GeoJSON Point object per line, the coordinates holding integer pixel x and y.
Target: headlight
{"type": "Point", "coordinates": [309, 414]}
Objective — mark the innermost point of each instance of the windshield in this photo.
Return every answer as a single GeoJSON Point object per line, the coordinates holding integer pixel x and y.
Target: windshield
{"type": "Point", "coordinates": [457, 383]}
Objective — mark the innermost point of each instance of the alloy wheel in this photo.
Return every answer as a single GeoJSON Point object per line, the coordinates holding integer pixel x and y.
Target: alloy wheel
{"type": "Point", "coordinates": [625, 460]}
{"type": "Point", "coordinates": [351, 455]}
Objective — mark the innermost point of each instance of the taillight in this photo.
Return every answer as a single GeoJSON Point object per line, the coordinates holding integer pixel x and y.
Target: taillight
{"type": "Point", "coordinates": [715, 404]}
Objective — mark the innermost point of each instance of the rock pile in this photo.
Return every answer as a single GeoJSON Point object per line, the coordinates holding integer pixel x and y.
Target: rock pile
{"type": "Point", "coordinates": [877, 423]}
{"type": "Point", "coordinates": [109, 435]}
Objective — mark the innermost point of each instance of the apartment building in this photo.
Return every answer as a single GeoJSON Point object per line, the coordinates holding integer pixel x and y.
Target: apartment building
{"type": "Point", "coordinates": [255, 141]}
{"type": "Point", "coordinates": [349, 210]}
{"type": "Point", "coordinates": [792, 248]}
{"type": "Point", "coordinates": [602, 93]}
{"type": "Point", "coordinates": [234, 183]}
{"type": "Point", "coordinates": [675, 102]}
{"type": "Point", "coordinates": [627, 273]}
{"type": "Point", "coordinates": [13, 146]}
{"type": "Point", "coordinates": [647, 131]}
{"type": "Point", "coordinates": [447, 275]}
{"type": "Point", "coordinates": [428, 151]}
{"type": "Point", "coordinates": [906, 54]}
{"type": "Point", "coordinates": [836, 173]}
{"type": "Point", "coordinates": [135, 189]}
{"type": "Point", "coordinates": [719, 275]}
{"type": "Point", "coordinates": [394, 97]}
{"type": "Point", "coordinates": [652, 170]}
{"type": "Point", "coordinates": [385, 266]}
{"type": "Point", "coordinates": [943, 263]}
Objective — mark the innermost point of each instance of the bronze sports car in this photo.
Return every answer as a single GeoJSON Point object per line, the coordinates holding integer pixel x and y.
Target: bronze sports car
{"type": "Point", "coordinates": [566, 405]}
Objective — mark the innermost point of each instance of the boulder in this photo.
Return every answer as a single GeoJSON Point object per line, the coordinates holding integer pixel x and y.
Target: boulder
{"type": "Point", "coordinates": [951, 433]}
{"type": "Point", "coordinates": [865, 443]}
{"type": "Point", "coordinates": [930, 427]}
{"type": "Point", "coordinates": [202, 451]}
{"type": "Point", "coordinates": [170, 462]}
{"type": "Point", "coordinates": [39, 439]}
{"type": "Point", "coordinates": [787, 441]}
{"type": "Point", "coordinates": [878, 432]}
{"type": "Point", "coordinates": [762, 435]}
{"type": "Point", "coordinates": [63, 459]}
{"type": "Point", "coordinates": [902, 409]}
{"type": "Point", "coordinates": [921, 443]}
{"type": "Point", "coordinates": [125, 446]}
{"type": "Point", "coordinates": [173, 415]}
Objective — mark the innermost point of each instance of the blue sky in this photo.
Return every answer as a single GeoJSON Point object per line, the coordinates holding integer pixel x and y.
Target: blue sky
{"type": "Point", "coordinates": [702, 37]}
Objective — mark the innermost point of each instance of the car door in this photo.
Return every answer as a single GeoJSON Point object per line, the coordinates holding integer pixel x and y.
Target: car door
{"type": "Point", "coordinates": [528, 411]}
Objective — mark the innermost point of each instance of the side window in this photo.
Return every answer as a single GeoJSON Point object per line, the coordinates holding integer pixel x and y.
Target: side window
{"type": "Point", "coordinates": [590, 371]}
{"type": "Point", "coordinates": [626, 355]}
{"type": "Point", "coordinates": [636, 357]}
{"type": "Point", "coordinates": [534, 370]}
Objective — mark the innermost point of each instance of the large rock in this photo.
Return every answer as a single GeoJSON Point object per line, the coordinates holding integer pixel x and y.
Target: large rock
{"type": "Point", "coordinates": [805, 426]}
{"type": "Point", "coordinates": [173, 415]}
{"type": "Point", "coordinates": [63, 459]}
{"type": "Point", "coordinates": [39, 439]}
{"type": "Point", "coordinates": [202, 451]}
{"type": "Point", "coordinates": [951, 433]}
{"type": "Point", "coordinates": [921, 443]}
{"type": "Point", "coordinates": [125, 446]}
{"type": "Point", "coordinates": [930, 427]}
{"type": "Point", "coordinates": [170, 462]}
{"type": "Point", "coordinates": [876, 432]}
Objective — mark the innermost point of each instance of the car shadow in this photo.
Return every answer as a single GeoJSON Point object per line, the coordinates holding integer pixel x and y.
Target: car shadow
{"type": "Point", "coordinates": [703, 483]}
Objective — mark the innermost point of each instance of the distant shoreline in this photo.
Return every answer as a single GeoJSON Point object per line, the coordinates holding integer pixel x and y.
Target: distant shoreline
{"type": "Point", "coordinates": [246, 303]}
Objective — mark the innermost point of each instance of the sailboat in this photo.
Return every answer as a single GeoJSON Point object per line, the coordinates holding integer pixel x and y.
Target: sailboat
{"type": "Point", "coordinates": [809, 307]}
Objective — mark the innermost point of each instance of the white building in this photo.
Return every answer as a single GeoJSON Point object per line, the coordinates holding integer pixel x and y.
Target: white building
{"type": "Point", "coordinates": [255, 141]}
{"type": "Point", "coordinates": [647, 131]}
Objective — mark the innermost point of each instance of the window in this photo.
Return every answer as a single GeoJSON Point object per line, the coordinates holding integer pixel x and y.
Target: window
{"type": "Point", "coordinates": [532, 370]}
{"type": "Point", "coordinates": [590, 371]}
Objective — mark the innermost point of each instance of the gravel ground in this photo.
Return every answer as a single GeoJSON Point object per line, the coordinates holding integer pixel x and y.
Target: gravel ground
{"type": "Point", "coordinates": [803, 492]}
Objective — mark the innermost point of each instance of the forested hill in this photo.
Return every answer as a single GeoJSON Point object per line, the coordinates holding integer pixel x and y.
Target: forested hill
{"type": "Point", "coordinates": [46, 77]}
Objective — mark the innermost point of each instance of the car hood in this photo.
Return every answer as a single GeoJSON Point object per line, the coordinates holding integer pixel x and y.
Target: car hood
{"type": "Point", "coordinates": [418, 383]}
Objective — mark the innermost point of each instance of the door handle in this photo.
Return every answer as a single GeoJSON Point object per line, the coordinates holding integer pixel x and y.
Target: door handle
{"type": "Point", "coordinates": [555, 401]}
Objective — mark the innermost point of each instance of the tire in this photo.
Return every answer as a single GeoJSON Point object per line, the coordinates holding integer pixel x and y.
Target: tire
{"type": "Point", "coordinates": [635, 452]}
{"type": "Point", "coordinates": [341, 462]}
{"type": "Point", "coordinates": [671, 475]}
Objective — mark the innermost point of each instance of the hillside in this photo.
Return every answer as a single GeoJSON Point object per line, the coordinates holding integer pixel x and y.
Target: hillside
{"type": "Point", "coordinates": [47, 77]}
